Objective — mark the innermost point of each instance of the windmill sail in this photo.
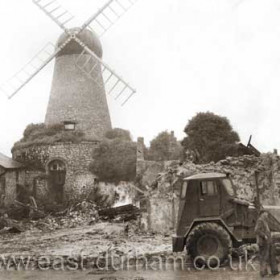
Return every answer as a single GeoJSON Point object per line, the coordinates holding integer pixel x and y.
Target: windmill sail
{"type": "Point", "coordinates": [114, 84]}
{"type": "Point", "coordinates": [21, 78]}
{"type": "Point", "coordinates": [55, 11]}
{"type": "Point", "coordinates": [108, 15]}
{"type": "Point", "coordinates": [99, 72]}
{"type": "Point", "coordinates": [31, 69]}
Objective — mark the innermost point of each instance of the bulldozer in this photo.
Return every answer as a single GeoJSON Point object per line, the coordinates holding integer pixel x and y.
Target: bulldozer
{"type": "Point", "coordinates": [212, 221]}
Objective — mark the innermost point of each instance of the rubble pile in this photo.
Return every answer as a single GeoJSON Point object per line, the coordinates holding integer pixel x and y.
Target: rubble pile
{"type": "Point", "coordinates": [9, 226]}
{"type": "Point", "coordinates": [241, 170]}
{"type": "Point", "coordinates": [122, 213]}
{"type": "Point", "coordinates": [84, 213]}
{"type": "Point", "coordinates": [103, 203]}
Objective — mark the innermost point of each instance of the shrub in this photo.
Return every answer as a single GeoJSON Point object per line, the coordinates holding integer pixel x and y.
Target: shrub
{"type": "Point", "coordinates": [118, 133]}
{"type": "Point", "coordinates": [115, 159]}
{"type": "Point", "coordinates": [36, 134]}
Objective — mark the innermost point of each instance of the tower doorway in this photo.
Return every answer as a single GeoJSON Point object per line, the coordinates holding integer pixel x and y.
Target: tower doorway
{"type": "Point", "coordinates": [57, 175]}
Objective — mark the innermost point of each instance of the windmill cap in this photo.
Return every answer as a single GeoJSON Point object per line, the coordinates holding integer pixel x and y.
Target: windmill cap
{"type": "Point", "coordinates": [88, 37]}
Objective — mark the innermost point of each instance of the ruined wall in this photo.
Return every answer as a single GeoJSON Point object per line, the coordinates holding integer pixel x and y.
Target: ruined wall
{"type": "Point", "coordinates": [10, 187]}
{"type": "Point", "coordinates": [83, 183]}
{"type": "Point", "coordinates": [76, 157]}
{"type": "Point", "coordinates": [37, 183]}
{"type": "Point", "coordinates": [150, 171]}
{"type": "Point", "coordinates": [162, 215]}
{"type": "Point", "coordinates": [12, 178]}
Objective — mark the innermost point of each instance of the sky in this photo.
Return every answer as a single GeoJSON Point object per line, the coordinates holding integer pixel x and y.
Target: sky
{"type": "Point", "coordinates": [182, 56]}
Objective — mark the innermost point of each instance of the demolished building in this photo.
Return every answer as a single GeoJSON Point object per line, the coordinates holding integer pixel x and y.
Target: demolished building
{"type": "Point", "coordinates": [163, 180]}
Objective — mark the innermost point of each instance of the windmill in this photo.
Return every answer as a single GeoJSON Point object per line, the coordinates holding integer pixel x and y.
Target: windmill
{"type": "Point", "coordinates": [81, 78]}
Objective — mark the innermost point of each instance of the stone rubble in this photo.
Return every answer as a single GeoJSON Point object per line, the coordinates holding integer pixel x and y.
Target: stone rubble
{"type": "Point", "coordinates": [241, 170]}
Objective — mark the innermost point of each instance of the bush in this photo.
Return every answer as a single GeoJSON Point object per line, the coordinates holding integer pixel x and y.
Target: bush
{"type": "Point", "coordinates": [32, 128]}
{"type": "Point", "coordinates": [118, 133]}
{"type": "Point", "coordinates": [115, 159]}
{"type": "Point", "coordinates": [36, 134]}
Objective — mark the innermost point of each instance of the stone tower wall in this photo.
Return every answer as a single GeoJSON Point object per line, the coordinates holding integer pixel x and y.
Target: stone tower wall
{"type": "Point", "coordinates": [76, 97]}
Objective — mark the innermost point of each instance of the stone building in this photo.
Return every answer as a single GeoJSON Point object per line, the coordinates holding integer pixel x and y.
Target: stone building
{"type": "Point", "coordinates": [12, 175]}
{"type": "Point", "coordinates": [58, 171]}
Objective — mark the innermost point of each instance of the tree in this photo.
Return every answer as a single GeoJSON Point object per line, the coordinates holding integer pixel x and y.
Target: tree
{"type": "Point", "coordinates": [115, 158]}
{"type": "Point", "coordinates": [165, 147]}
{"type": "Point", "coordinates": [210, 137]}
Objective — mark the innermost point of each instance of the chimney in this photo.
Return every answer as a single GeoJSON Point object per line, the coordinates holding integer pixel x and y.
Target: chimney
{"type": "Point", "coordinates": [140, 148]}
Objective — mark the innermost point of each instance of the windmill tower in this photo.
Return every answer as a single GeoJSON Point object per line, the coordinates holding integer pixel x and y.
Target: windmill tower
{"type": "Point", "coordinates": [74, 96]}
{"type": "Point", "coordinates": [80, 83]}
{"type": "Point", "coordinates": [81, 79]}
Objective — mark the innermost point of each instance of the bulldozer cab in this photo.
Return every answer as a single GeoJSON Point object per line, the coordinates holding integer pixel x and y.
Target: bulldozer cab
{"type": "Point", "coordinates": [203, 195]}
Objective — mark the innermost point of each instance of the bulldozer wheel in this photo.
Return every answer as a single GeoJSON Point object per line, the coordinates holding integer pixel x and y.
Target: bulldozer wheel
{"type": "Point", "coordinates": [207, 240]}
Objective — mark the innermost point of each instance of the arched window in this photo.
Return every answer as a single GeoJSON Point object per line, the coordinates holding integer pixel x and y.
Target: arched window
{"type": "Point", "coordinates": [57, 165]}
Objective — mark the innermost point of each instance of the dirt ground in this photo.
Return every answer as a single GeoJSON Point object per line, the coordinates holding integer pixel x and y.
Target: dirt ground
{"type": "Point", "coordinates": [96, 240]}
{"type": "Point", "coordinates": [143, 275]}
{"type": "Point", "coordinates": [87, 240]}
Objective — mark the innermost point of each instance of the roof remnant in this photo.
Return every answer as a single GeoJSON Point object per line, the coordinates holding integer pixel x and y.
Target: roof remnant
{"type": "Point", "coordinates": [9, 163]}
{"type": "Point", "coordinates": [203, 176]}
{"type": "Point", "coordinates": [249, 149]}
{"type": "Point", "coordinates": [253, 150]}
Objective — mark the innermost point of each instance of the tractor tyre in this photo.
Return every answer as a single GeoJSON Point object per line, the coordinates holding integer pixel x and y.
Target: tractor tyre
{"type": "Point", "coordinates": [209, 243]}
